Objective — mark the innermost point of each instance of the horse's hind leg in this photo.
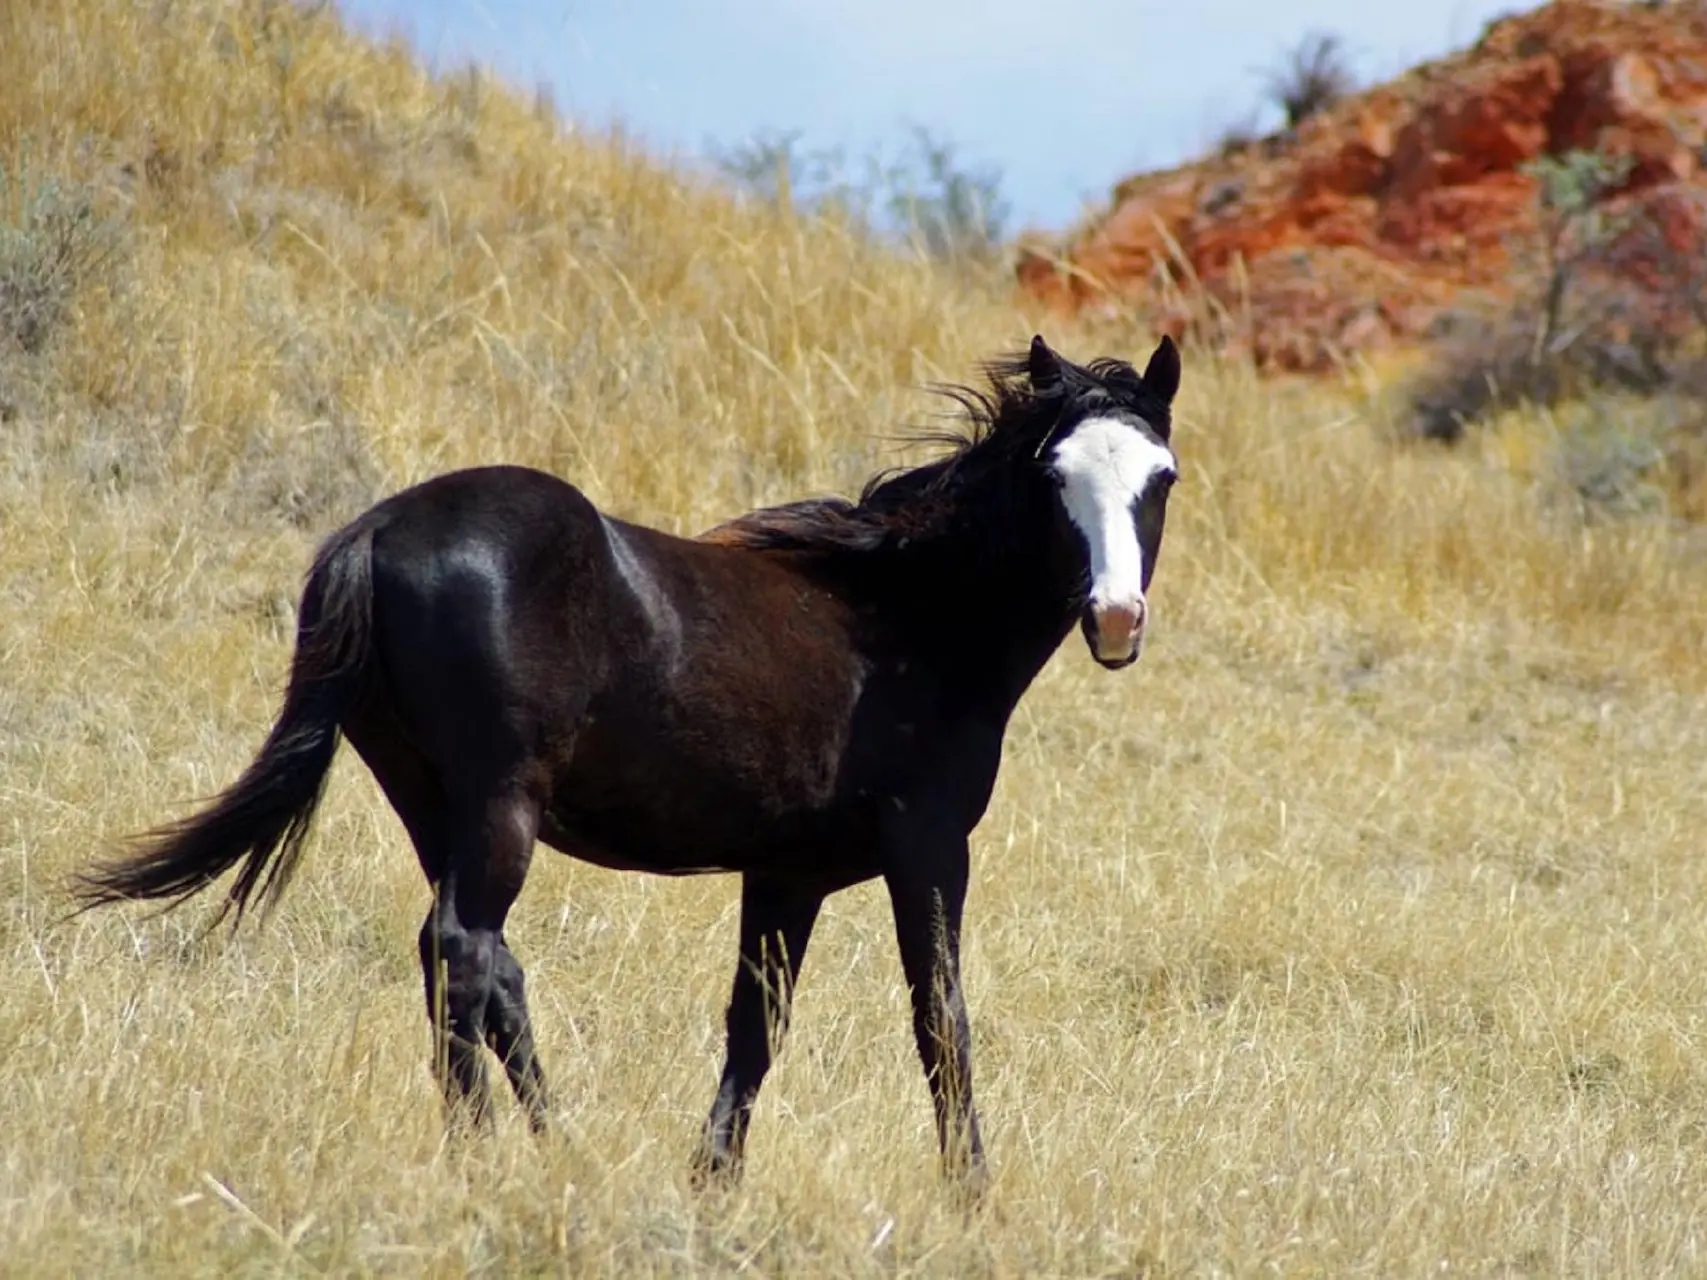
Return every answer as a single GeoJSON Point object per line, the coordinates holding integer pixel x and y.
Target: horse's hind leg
{"type": "Point", "coordinates": [473, 981]}
{"type": "Point", "coordinates": [776, 924]}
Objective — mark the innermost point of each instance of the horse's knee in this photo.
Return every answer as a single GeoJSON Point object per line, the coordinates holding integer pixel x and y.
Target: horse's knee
{"type": "Point", "coordinates": [460, 969]}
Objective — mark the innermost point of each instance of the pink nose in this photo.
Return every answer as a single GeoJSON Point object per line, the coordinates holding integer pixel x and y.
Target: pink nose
{"type": "Point", "coordinates": [1118, 628]}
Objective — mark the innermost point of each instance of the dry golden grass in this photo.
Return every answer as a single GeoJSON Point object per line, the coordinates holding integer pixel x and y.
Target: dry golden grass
{"type": "Point", "coordinates": [1356, 931]}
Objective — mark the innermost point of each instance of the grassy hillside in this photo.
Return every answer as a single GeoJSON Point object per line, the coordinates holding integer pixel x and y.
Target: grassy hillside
{"type": "Point", "coordinates": [1357, 929]}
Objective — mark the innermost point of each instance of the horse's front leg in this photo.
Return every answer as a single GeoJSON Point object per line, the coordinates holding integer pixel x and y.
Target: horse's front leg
{"type": "Point", "coordinates": [926, 871]}
{"type": "Point", "coordinates": [776, 924]}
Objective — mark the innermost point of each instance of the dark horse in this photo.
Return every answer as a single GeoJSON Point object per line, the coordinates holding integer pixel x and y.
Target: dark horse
{"type": "Point", "coordinates": [812, 695]}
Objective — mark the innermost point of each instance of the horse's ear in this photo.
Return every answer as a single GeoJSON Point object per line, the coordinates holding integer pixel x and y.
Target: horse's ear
{"type": "Point", "coordinates": [1042, 364]}
{"type": "Point", "coordinates": [1161, 375]}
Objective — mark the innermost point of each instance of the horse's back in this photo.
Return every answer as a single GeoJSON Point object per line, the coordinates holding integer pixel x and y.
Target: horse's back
{"type": "Point", "coordinates": [510, 509]}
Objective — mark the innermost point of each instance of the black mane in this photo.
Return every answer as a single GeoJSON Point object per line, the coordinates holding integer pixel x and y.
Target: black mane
{"type": "Point", "coordinates": [1007, 421]}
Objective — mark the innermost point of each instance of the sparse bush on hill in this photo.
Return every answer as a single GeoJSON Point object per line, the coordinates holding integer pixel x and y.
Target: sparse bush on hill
{"type": "Point", "coordinates": [1575, 230]}
{"type": "Point", "coordinates": [775, 168]}
{"type": "Point", "coordinates": [1621, 456]}
{"type": "Point", "coordinates": [60, 252]}
{"type": "Point", "coordinates": [922, 194]}
{"type": "Point", "coordinates": [1310, 77]}
{"type": "Point", "coordinates": [1608, 325]}
{"type": "Point", "coordinates": [52, 242]}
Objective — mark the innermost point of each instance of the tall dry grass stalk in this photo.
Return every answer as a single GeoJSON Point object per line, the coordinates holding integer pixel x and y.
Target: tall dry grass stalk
{"type": "Point", "coordinates": [1357, 930]}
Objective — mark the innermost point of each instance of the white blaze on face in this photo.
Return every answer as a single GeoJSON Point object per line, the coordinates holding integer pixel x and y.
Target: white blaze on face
{"type": "Point", "coordinates": [1104, 465]}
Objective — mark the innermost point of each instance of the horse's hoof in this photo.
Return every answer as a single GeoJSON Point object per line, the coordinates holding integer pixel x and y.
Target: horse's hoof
{"type": "Point", "coordinates": [970, 1186]}
{"type": "Point", "coordinates": [712, 1171]}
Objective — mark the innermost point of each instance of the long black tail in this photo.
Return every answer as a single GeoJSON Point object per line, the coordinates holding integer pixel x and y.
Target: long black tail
{"type": "Point", "coordinates": [263, 819]}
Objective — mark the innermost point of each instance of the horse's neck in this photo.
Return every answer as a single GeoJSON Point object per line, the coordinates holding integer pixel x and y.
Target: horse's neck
{"type": "Point", "coordinates": [997, 600]}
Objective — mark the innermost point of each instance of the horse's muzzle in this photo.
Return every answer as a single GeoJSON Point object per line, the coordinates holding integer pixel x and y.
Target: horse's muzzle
{"type": "Point", "coordinates": [1115, 632]}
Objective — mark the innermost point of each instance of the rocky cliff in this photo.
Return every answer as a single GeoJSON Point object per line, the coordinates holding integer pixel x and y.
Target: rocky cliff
{"type": "Point", "coordinates": [1371, 221]}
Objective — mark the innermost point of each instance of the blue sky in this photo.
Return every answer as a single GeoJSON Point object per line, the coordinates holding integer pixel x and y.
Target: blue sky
{"type": "Point", "coordinates": [1065, 97]}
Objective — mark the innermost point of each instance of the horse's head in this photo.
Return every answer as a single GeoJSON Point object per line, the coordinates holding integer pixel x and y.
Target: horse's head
{"type": "Point", "coordinates": [1112, 465]}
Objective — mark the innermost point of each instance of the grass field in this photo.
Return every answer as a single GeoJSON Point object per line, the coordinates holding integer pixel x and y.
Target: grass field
{"type": "Point", "coordinates": [1356, 930]}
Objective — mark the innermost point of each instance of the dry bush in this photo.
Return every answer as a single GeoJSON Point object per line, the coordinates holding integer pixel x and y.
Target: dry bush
{"type": "Point", "coordinates": [1571, 327]}
{"type": "Point", "coordinates": [1353, 932]}
{"type": "Point", "coordinates": [52, 244]}
{"type": "Point", "coordinates": [1603, 334]}
{"type": "Point", "coordinates": [1310, 77]}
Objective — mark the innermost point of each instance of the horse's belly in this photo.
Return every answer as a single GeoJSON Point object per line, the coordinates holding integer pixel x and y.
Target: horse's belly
{"type": "Point", "coordinates": [698, 783]}
{"type": "Point", "coordinates": [577, 845]}
{"type": "Point", "coordinates": [689, 831]}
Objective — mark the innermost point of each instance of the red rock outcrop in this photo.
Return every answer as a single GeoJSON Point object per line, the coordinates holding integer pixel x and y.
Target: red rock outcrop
{"type": "Point", "coordinates": [1357, 229]}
